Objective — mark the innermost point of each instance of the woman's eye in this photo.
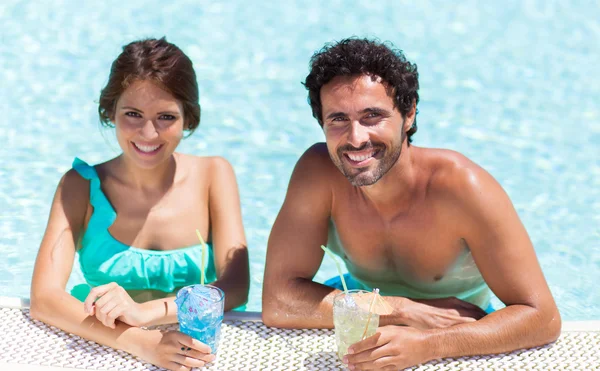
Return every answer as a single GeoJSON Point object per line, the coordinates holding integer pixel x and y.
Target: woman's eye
{"type": "Point", "coordinates": [167, 117]}
{"type": "Point", "coordinates": [132, 114]}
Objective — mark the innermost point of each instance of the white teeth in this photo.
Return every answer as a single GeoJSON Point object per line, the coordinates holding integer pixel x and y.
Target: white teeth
{"type": "Point", "coordinates": [359, 158]}
{"type": "Point", "coordinates": [146, 148]}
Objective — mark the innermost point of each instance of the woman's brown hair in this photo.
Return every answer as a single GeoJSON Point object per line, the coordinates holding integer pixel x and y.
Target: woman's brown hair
{"type": "Point", "coordinates": [154, 60]}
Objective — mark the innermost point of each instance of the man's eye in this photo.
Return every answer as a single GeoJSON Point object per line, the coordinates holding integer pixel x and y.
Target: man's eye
{"type": "Point", "coordinates": [132, 114]}
{"type": "Point", "coordinates": [338, 119]}
{"type": "Point", "coordinates": [167, 117]}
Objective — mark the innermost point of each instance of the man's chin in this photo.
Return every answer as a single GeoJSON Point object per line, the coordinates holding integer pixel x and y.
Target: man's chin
{"type": "Point", "coordinates": [361, 179]}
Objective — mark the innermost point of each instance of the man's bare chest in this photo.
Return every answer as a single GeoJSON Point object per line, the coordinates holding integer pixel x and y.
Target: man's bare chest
{"type": "Point", "coordinates": [418, 247]}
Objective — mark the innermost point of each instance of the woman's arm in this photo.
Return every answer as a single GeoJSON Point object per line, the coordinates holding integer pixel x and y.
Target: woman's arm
{"type": "Point", "coordinates": [227, 230]}
{"type": "Point", "coordinates": [49, 301]}
{"type": "Point", "coordinates": [51, 304]}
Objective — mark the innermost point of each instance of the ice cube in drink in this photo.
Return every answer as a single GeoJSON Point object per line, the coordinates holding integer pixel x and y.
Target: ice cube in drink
{"type": "Point", "coordinates": [350, 320]}
{"type": "Point", "coordinates": [200, 313]}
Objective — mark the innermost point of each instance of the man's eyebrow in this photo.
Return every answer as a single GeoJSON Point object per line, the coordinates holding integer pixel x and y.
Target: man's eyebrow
{"type": "Point", "coordinates": [381, 111]}
{"type": "Point", "coordinates": [335, 114]}
{"type": "Point", "coordinates": [375, 110]}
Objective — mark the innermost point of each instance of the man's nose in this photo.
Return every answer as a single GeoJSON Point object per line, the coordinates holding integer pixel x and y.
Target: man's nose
{"type": "Point", "coordinates": [149, 130]}
{"type": "Point", "coordinates": [358, 135]}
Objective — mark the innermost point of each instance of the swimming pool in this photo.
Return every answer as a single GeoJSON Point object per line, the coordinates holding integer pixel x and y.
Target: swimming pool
{"type": "Point", "coordinates": [514, 86]}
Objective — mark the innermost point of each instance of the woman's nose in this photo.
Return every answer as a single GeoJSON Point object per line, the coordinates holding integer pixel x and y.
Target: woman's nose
{"type": "Point", "coordinates": [149, 131]}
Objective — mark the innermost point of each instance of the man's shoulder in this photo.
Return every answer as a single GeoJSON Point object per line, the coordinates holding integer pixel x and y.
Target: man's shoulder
{"type": "Point", "coordinates": [316, 159]}
{"type": "Point", "coordinates": [315, 172]}
{"type": "Point", "coordinates": [454, 174]}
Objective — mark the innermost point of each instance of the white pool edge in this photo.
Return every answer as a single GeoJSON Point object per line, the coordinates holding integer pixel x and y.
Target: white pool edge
{"type": "Point", "coordinates": [22, 303]}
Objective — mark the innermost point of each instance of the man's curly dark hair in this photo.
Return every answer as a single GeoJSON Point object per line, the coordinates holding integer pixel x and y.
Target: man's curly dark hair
{"type": "Point", "coordinates": [354, 56]}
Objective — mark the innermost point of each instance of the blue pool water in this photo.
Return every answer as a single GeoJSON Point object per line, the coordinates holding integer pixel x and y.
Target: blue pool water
{"type": "Point", "coordinates": [514, 85]}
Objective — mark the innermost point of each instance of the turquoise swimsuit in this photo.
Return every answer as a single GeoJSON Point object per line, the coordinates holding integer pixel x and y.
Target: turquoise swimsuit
{"type": "Point", "coordinates": [104, 259]}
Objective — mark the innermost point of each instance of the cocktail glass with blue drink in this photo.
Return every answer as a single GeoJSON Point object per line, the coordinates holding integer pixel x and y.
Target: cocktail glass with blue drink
{"type": "Point", "coordinates": [200, 313]}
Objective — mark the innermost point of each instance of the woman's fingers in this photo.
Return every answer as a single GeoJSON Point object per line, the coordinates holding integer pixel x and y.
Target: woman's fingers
{"type": "Point", "coordinates": [96, 293]}
{"type": "Point", "coordinates": [190, 342]}
{"type": "Point", "coordinates": [112, 316]}
{"type": "Point", "coordinates": [105, 305]}
{"type": "Point", "coordinates": [189, 352]}
{"type": "Point", "coordinates": [174, 366]}
{"type": "Point", "coordinates": [188, 361]}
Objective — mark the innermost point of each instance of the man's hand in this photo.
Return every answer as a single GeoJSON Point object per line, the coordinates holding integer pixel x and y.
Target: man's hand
{"type": "Point", "coordinates": [111, 302]}
{"type": "Point", "coordinates": [391, 348]}
{"type": "Point", "coordinates": [434, 313]}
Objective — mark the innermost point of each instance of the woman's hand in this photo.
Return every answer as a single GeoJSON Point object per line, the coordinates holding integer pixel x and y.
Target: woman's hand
{"type": "Point", "coordinates": [173, 350]}
{"type": "Point", "coordinates": [111, 302]}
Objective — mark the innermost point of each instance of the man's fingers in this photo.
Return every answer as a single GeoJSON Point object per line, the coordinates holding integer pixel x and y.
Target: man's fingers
{"type": "Point", "coordinates": [368, 355]}
{"type": "Point", "coordinates": [383, 363]}
{"type": "Point", "coordinates": [369, 343]}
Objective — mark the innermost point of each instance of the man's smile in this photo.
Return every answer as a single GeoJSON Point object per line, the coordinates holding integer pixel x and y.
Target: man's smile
{"type": "Point", "coordinates": [361, 158]}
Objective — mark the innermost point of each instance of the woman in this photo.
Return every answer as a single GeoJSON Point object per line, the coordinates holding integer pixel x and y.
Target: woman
{"type": "Point", "coordinates": [133, 218]}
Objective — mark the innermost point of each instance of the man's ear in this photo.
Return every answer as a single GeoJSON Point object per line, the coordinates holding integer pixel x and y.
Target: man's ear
{"type": "Point", "coordinates": [410, 117]}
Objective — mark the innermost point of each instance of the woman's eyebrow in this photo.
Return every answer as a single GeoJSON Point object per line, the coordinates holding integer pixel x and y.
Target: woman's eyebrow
{"type": "Point", "coordinates": [132, 108]}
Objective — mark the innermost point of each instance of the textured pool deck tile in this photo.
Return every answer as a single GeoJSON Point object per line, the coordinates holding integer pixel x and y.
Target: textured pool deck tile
{"type": "Point", "coordinates": [247, 344]}
{"type": "Point", "coordinates": [4, 366]}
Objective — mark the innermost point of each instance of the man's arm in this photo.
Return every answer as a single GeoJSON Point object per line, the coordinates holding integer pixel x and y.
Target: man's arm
{"type": "Point", "coordinates": [505, 257]}
{"type": "Point", "coordinates": [290, 298]}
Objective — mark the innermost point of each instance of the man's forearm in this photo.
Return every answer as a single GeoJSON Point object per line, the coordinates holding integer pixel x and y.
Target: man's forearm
{"type": "Point", "coordinates": [301, 303]}
{"type": "Point", "coordinates": [511, 328]}
{"type": "Point", "coordinates": [307, 304]}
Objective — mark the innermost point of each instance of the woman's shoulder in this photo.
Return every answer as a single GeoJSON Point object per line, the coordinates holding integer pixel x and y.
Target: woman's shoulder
{"type": "Point", "coordinates": [204, 164]}
{"type": "Point", "coordinates": [73, 190]}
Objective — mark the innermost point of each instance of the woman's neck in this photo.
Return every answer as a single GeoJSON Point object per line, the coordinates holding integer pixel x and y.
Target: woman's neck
{"type": "Point", "coordinates": [159, 178]}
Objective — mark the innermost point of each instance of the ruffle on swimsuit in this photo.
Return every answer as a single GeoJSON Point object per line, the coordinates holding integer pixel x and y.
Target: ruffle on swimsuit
{"type": "Point", "coordinates": [104, 259]}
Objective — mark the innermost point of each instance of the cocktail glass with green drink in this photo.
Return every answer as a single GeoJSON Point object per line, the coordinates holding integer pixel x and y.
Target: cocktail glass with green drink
{"type": "Point", "coordinates": [351, 321]}
{"type": "Point", "coordinates": [355, 313]}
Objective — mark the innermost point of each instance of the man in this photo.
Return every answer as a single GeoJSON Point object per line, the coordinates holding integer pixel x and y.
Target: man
{"type": "Point", "coordinates": [428, 227]}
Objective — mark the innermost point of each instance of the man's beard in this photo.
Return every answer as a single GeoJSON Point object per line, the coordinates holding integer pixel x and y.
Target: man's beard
{"type": "Point", "coordinates": [364, 176]}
